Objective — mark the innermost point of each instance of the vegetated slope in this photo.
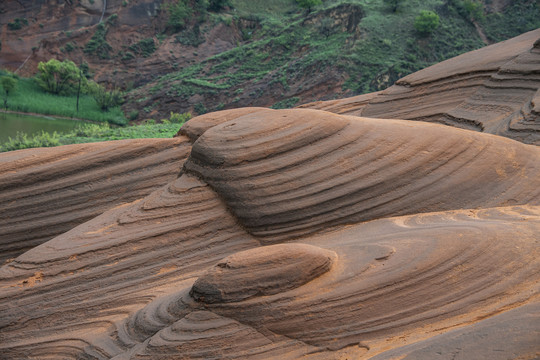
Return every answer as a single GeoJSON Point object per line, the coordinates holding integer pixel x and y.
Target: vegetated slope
{"type": "Point", "coordinates": [245, 253]}
{"type": "Point", "coordinates": [495, 90]}
{"type": "Point", "coordinates": [340, 49]}
{"type": "Point", "coordinates": [253, 53]}
{"type": "Point", "coordinates": [46, 192]}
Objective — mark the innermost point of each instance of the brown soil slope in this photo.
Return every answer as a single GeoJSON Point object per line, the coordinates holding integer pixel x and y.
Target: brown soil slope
{"type": "Point", "coordinates": [494, 90]}
{"type": "Point", "coordinates": [46, 192]}
{"type": "Point", "coordinates": [281, 238]}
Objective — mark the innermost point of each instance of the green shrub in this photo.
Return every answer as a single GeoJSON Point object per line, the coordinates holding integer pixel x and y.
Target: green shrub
{"type": "Point", "coordinates": [133, 115]}
{"type": "Point", "coordinates": [98, 44]}
{"type": "Point", "coordinates": [308, 4]}
{"type": "Point", "coordinates": [217, 5]}
{"type": "Point", "coordinates": [105, 99]}
{"type": "Point", "coordinates": [145, 47]}
{"type": "Point", "coordinates": [57, 77]}
{"type": "Point", "coordinates": [177, 118]}
{"type": "Point", "coordinates": [23, 141]}
{"type": "Point", "coordinates": [128, 55]}
{"type": "Point", "coordinates": [179, 13]}
{"type": "Point", "coordinates": [190, 37]}
{"type": "Point", "coordinates": [200, 109]}
{"type": "Point", "coordinates": [286, 104]}
{"type": "Point", "coordinates": [69, 47]}
{"type": "Point", "coordinates": [394, 4]}
{"type": "Point", "coordinates": [17, 23]}
{"type": "Point", "coordinates": [426, 22]}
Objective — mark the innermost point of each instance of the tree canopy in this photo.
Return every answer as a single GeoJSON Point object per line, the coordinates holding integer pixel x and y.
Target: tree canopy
{"type": "Point", "coordinates": [57, 77]}
{"type": "Point", "coordinates": [426, 22]}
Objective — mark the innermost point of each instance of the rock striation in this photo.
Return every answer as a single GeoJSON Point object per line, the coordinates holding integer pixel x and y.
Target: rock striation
{"type": "Point", "coordinates": [290, 173]}
{"type": "Point", "coordinates": [46, 192]}
{"type": "Point", "coordinates": [494, 89]}
{"type": "Point", "coordinates": [295, 234]}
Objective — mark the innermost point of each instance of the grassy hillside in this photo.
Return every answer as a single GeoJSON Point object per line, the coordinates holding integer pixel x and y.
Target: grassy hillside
{"type": "Point", "coordinates": [289, 56]}
{"type": "Point", "coordinates": [28, 97]}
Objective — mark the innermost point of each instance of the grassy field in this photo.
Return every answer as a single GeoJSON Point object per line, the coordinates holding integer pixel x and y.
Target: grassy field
{"type": "Point", "coordinates": [28, 97]}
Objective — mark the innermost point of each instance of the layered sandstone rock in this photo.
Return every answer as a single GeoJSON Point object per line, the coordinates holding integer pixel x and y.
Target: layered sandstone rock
{"type": "Point", "coordinates": [493, 90]}
{"type": "Point", "coordinates": [46, 192]}
{"type": "Point", "coordinates": [297, 234]}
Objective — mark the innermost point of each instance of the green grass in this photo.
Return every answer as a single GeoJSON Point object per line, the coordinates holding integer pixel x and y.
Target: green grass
{"type": "Point", "coordinates": [87, 133]}
{"type": "Point", "coordinates": [30, 98]}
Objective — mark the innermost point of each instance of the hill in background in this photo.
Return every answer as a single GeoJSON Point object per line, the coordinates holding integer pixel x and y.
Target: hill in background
{"type": "Point", "coordinates": [249, 53]}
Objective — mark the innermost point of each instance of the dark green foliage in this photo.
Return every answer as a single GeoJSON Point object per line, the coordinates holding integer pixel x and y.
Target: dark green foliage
{"type": "Point", "coordinates": [179, 14]}
{"type": "Point", "coordinates": [286, 104]}
{"type": "Point", "coordinates": [217, 5]}
{"type": "Point", "coordinates": [111, 20]}
{"type": "Point", "coordinates": [98, 44]}
{"type": "Point", "coordinates": [190, 37]}
{"type": "Point", "coordinates": [133, 115]}
{"type": "Point", "coordinates": [104, 98]}
{"type": "Point", "coordinates": [326, 27]}
{"type": "Point", "coordinates": [308, 4]}
{"type": "Point", "coordinates": [128, 55]}
{"type": "Point", "coordinates": [426, 22]}
{"type": "Point", "coordinates": [200, 109]}
{"type": "Point", "coordinates": [69, 47]}
{"type": "Point", "coordinates": [145, 47]}
{"type": "Point", "coordinates": [17, 23]}
{"type": "Point", "coordinates": [9, 84]}
{"type": "Point", "coordinates": [471, 10]}
{"type": "Point", "coordinates": [393, 4]}
{"type": "Point", "coordinates": [519, 17]}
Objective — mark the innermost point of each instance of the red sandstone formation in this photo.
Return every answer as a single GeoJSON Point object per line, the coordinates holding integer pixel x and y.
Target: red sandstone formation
{"type": "Point", "coordinates": [494, 89]}
{"type": "Point", "coordinates": [46, 192]}
{"type": "Point", "coordinates": [261, 249]}
{"type": "Point", "coordinates": [284, 234]}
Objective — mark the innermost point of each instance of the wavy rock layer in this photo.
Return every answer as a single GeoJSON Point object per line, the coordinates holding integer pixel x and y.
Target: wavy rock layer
{"type": "Point", "coordinates": [401, 277]}
{"type": "Point", "coordinates": [46, 192]}
{"type": "Point", "coordinates": [113, 264]}
{"type": "Point", "coordinates": [494, 90]}
{"type": "Point", "coordinates": [180, 274]}
{"type": "Point", "coordinates": [293, 172]}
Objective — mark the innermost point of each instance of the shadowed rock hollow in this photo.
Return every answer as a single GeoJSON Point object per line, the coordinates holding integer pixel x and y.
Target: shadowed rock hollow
{"type": "Point", "coordinates": [280, 234]}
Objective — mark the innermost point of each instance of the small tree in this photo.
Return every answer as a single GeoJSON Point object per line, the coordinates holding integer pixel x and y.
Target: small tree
{"type": "Point", "coordinates": [308, 4]}
{"type": "Point", "coordinates": [105, 99]}
{"type": "Point", "coordinates": [8, 84]}
{"type": "Point", "coordinates": [426, 22]}
{"type": "Point", "coordinates": [57, 77]}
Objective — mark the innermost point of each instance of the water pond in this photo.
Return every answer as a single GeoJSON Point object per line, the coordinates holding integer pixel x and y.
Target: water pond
{"type": "Point", "coordinates": [10, 124]}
